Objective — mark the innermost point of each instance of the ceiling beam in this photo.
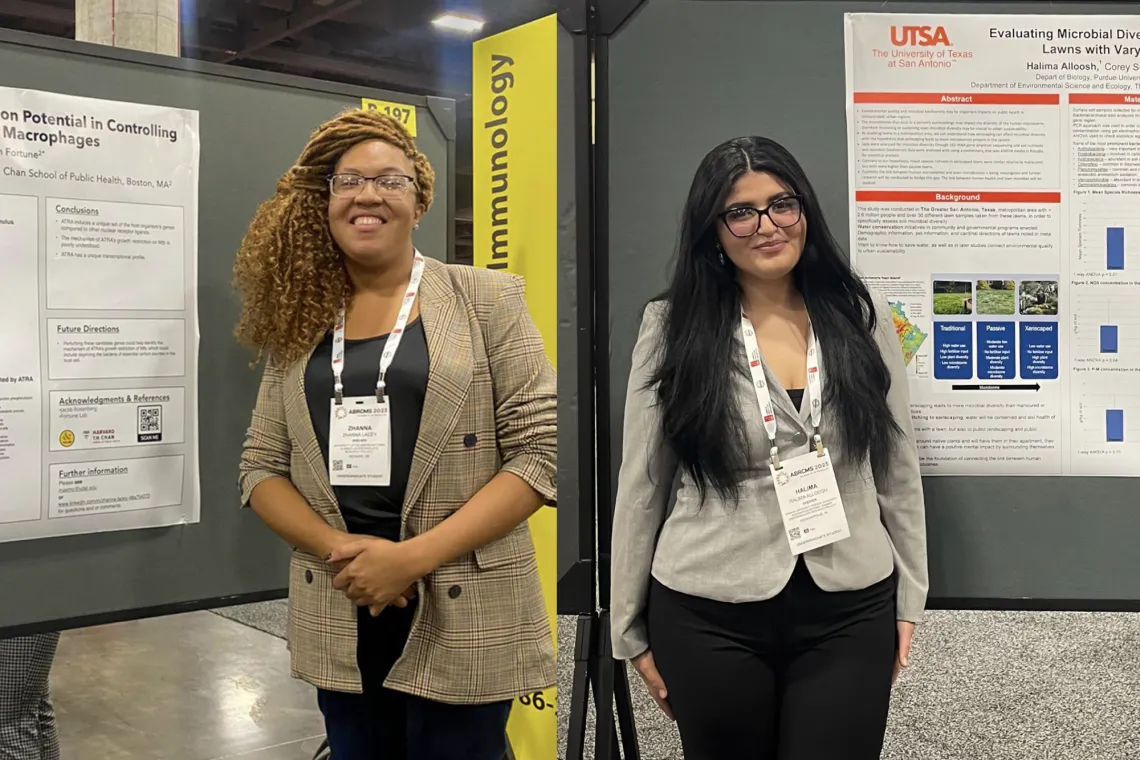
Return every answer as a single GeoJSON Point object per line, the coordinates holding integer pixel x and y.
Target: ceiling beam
{"type": "Point", "coordinates": [373, 74]}
{"type": "Point", "coordinates": [38, 12]}
{"type": "Point", "coordinates": [308, 59]}
{"type": "Point", "coordinates": [312, 13]}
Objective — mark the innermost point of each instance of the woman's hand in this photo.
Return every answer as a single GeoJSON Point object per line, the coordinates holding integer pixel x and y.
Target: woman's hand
{"type": "Point", "coordinates": [902, 655]}
{"type": "Point", "coordinates": [648, 672]}
{"type": "Point", "coordinates": [376, 573]}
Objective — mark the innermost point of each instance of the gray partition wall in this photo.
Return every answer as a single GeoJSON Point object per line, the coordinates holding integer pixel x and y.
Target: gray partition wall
{"type": "Point", "coordinates": [253, 126]}
{"type": "Point", "coordinates": [575, 375]}
{"type": "Point", "coordinates": [675, 74]}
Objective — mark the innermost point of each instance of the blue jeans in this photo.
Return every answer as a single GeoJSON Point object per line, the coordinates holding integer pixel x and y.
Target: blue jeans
{"type": "Point", "coordinates": [381, 724]}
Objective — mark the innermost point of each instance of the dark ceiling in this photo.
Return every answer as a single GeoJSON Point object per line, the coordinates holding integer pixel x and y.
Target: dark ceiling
{"type": "Point", "coordinates": [388, 44]}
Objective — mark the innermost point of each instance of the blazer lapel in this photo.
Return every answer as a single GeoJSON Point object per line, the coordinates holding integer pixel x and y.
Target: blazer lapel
{"type": "Point", "coordinates": [448, 332]}
{"type": "Point", "coordinates": [297, 409]}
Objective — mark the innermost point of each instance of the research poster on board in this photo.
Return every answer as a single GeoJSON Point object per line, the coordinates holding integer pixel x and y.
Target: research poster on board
{"type": "Point", "coordinates": [994, 169]}
{"type": "Point", "coordinates": [98, 315]}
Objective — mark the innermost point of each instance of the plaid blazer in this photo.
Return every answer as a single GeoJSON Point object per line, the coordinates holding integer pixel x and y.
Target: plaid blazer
{"type": "Point", "coordinates": [480, 632]}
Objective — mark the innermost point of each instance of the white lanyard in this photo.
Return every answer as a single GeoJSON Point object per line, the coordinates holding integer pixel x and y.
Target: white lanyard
{"type": "Point", "coordinates": [390, 345]}
{"type": "Point", "coordinates": [813, 393]}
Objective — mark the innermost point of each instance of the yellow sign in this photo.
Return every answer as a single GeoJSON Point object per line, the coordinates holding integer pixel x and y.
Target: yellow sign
{"type": "Point", "coordinates": [404, 114]}
{"type": "Point", "coordinates": [515, 152]}
{"type": "Point", "coordinates": [66, 439]}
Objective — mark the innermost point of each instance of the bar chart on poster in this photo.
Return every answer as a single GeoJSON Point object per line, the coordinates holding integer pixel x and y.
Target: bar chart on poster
{"type": "Point", "coordinates": [1105, 235]}
{"type": "Point", "coordinates": [1105, 328]}
{"type": "Point", "coordinates": [995, 201]}
{"type": "Point", "coordinates": [1105, 423]}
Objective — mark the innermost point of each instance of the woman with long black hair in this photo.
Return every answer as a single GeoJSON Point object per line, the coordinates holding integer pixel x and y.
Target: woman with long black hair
{"type": "Point", "coordinates": [770, 608]}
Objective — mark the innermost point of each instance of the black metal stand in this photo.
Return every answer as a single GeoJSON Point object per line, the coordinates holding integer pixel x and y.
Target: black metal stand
{"type": "Point", "coordinates": [596, 670]}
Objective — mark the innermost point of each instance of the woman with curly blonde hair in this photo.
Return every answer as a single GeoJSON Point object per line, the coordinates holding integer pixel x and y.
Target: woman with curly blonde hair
{"type": "Point", "coordinates": [404, 431]}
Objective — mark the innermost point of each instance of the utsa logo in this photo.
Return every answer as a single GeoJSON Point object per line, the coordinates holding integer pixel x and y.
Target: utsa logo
{"type": "Point", "coordinates": [922, 36]}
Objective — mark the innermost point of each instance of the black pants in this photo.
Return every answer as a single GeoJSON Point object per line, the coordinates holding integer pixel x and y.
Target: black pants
{"type": "Point", "coordinates": [803, 676]}
{"type": "Point", "coordinates": [381, 724]}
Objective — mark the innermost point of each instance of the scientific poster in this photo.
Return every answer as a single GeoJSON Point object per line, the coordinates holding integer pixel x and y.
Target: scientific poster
{"type": "Point", "coordinates": [98, 315]}
{"type": "Point", "coordinates": [995, 199]}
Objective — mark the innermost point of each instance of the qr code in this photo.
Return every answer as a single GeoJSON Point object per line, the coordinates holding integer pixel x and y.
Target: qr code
{"type": "Point", "coordinates": [338, 465]}
{"type": "Point", "coordinates": [150, 419]}
{"type": "Point", "coordinates": [150, 424]}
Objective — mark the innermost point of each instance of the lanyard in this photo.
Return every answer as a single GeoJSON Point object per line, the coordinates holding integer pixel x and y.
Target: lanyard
{"type": "Point", "coordinates": [813, 393]}
{"type": "Point", "coordinates": [390, 345]}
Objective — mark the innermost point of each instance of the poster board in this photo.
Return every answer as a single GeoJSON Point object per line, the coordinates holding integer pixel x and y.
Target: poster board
{"type": "Point", "coordinates": [994, 542]}
{"type": "Point", "coordinates": [229, 556]}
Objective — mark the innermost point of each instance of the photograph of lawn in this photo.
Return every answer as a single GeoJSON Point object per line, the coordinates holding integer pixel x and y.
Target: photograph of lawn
{"type": "Point", "coordinates": [953, 297]}
{"type": "Point", "coordinates": [1039, 297]}
{"type": "Point", "coordinates": [996, 297]}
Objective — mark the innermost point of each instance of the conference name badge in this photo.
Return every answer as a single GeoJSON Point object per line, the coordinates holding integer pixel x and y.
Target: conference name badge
{"type": "Point", "coordinates": [359, 435]}
{"type": "Point", "coordinates": [810, 502]}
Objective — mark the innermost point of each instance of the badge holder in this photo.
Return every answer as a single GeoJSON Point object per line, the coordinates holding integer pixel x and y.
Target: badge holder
{"type": "Point", "coordinates": [338, 400]}
{"type": "Point", "coordinates": [775, 453]}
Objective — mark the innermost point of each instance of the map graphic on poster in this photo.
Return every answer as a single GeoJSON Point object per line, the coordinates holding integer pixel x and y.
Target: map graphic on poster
{"type": "Point", "coordinates": [98, 315]}
{"type": "Point", "coordinates": [911, 336]}
{"type": "Point", "coordinates": [995, 202]}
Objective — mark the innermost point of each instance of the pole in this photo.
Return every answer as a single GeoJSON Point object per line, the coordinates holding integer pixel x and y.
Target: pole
{"type": "Point", "coordinates": [594, 666]}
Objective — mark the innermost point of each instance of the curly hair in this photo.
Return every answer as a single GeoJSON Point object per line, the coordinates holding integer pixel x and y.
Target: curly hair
{"type": "Point", "coordinates": [289, 271]}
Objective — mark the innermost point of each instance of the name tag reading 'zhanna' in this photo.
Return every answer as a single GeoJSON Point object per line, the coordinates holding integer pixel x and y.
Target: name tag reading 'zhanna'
{"type": "Point", "coordinates": [359, 432]}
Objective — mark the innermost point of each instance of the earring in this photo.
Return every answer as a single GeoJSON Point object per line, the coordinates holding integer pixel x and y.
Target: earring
{"type": "Point", "coordinates": [417, 226]}
{"type": "Point", "coordinates": [720, 253]}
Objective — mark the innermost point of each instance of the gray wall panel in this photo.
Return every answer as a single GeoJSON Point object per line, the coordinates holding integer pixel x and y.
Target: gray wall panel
{"type": "Point", "coordinates": [675, 76]}
{"type": "Point", "coordinates": [568, 486]}
{"type": "Point", "coordinates": [253, 127]}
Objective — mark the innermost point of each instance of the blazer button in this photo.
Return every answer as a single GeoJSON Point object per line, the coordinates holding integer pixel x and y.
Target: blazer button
{"type": "Point", "coordinates": [470, 440]}
{"type": "Point", "coordinates": [454, 592]}
{"type": "Point", "coordinates": [800, 438]}
{"type": "Point", "coordinates": [308, 576]}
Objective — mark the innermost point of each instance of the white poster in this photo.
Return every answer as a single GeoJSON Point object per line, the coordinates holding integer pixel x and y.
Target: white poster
{"type": "Point", "coordinates": [98, 315]}
{"type": "Point", "coordinates": [994, 167]}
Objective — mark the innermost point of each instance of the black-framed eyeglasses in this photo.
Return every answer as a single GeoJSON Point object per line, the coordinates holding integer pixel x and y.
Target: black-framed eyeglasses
{"type": "Point", "coordinates": [386, 185]}
{"type": "Point", "coordinates": [744, 221]}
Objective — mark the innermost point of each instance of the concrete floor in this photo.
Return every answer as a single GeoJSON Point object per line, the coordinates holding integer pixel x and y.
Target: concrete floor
{"type": "Point", "coordinates": [981, 686]}
{"type": "Point", "coordinates": [216, 686]}
{"type": "Point", "coordinates": [185, 687]}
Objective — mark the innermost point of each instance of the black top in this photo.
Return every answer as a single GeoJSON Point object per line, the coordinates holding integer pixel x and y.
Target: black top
{"type": "Point", "coordinates": [374, 510]}
{"type": "Point", "coordinates": [797, 397]}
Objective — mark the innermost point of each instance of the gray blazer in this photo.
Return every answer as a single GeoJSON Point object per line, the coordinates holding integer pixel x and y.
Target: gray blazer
{"type": "Point", "coordinates": [738, 553]}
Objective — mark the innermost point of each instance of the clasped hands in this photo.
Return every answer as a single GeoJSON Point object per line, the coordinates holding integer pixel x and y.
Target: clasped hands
{"type": "Point", "coordinates": [374, 572]}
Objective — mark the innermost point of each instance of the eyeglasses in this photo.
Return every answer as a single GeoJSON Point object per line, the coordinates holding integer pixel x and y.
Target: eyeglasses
{"type": "Point", "coordinates": [744, 221]}
{"type": "Point", "coordinates": [386, 185]}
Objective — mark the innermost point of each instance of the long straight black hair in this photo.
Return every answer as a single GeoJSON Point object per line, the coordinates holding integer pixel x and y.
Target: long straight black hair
{"type": "Point", "coordinates": [698, 356]}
